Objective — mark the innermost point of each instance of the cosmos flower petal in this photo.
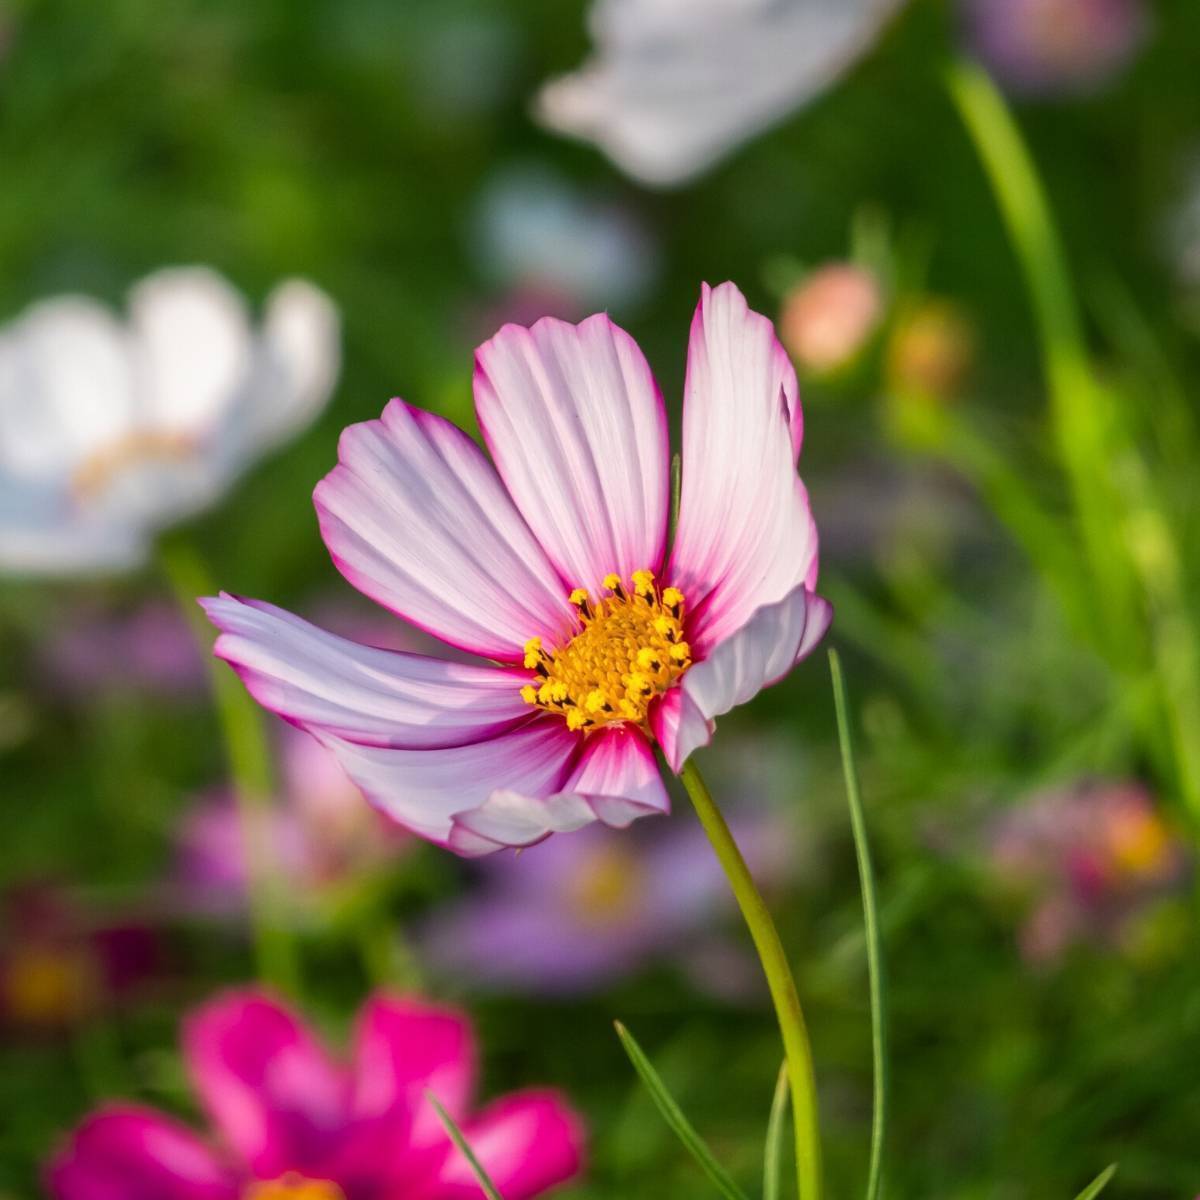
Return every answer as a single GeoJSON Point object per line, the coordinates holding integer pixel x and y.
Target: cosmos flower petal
{"type": "Point", "coordinates": [759, 654]}
{"type": "Point", "coordinates": [402, 1047]}
{"type": "Point", "coordinates": [746, 536]}
{"type": "Point", "coordinates": [416, 518]}
{"type": "Point", "coordinates": [358, 693]}
{"type": "Point", "coordinates": [192, 347]}
{"type": "Point", "coordinates": [672, 87]}
{"type": "Point", "coordinates": [55, 406]}
{"type": "Point", "coordinates": [577, 428]}
{"type": "Point", "coordinates": [36, 539]}
{"type": "Point", "coordinates": [677, 722]}
{"type": "Point", "coordinates": [527, 1142]}
{"type": "Point", "coordinates": [301, 355]}
{"type": "Point", "coordinates": [615, 781]}
{"type": "Point", "coordinates": [266, 1082]}
{"type": "Point", "coordinates": [423, 789]}
{"type": "Point", "coordinates": [124, 1152]}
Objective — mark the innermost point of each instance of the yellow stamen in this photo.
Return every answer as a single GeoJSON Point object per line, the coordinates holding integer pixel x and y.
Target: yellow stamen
{"type": "Point", "coordinates": [533, 652]}
{"type": "Point", "coordinates": [293, 1187]}
{"type": "Point", "coordinates": [629, 650]}
{"type": "Point", "coordinates": [96, 472]}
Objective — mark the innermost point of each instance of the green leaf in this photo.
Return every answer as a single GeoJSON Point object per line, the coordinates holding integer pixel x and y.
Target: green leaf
{"type": "Point", "coordinates": [877, 982]}
{"type": "Point", "coordinates": [673, 1115]}
{"type": "Point", "coordinates": [1098, 1184]}
{"type": "Point", "coordinates": [456, 1136]}
{"type": "Point", "coordinates": [774, 1147]}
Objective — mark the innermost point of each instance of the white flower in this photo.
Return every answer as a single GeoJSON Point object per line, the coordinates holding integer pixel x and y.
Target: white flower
{"type": "Point", "coordinates": [674, 85]}
{"type": "Point", "coordinates": [111, 430]}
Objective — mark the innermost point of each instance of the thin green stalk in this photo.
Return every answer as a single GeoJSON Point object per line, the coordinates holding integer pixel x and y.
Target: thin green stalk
{"type": "Point", "coordinates": [773, 1150]}
{"type": "Point", "coordinates": [1098, 1184]}
{"type": "Point", "coordinates": [875, 972]}
{"type": "Point", "coordinates": [456, 1136]}
{"type": "Point", "coordinates": [805, 1117]}
{"type": "Point", "coordinates": [1130, 573]}
{"type": "Point", "coordinates": [675, 1118]}
{"type": "Point", "coordinates": [250, 769]}
{"type": "Point", "coordinates": [1078, 407]}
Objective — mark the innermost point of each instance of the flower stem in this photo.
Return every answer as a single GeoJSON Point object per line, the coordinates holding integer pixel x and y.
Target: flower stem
{"type": "Point", "coordinates": [775, 966]}
{"type": "Point", "coordinates": [250, 768]}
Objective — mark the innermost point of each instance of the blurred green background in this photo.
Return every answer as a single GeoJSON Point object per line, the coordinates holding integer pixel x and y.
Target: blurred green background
{"type": "Point", "coordinates": [370, 146]}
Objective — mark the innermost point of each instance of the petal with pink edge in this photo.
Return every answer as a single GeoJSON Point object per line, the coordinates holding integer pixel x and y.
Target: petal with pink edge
{"type": "Point", "coordinates": [416, 518]}
{"type": "Point", "coordinates": [278, 1099]}
{"type": "Point", "coordinates": [527, 1142]}
{"type": "Point", "coordinates": [402, 1047]}
{"type": "Point", "coordinates": [124, 1152]}
{"type": "Point", "coordinates": [577, 428]}
{"type": "Point", "coordinates": [758, 655]}
{"type": "Point", "coordinates": [746, 535]}
{"type": "Point", "coordinates": [615, 781]}
{"type": "Point", "coordinates": [375, 697]}
{"type": "Point", "coordinates": [423, 789]}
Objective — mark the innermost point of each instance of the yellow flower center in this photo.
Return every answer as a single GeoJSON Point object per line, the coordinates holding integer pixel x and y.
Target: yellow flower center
{"type": "Point", "coordinates": [45, 985]}
{"type": "Point", "coordinates": [294, 1187]}
{"type": "Point", "coordinates": [606, 886]}
{"type": "Point", "coordinates": [94, 474]}
{"type": "Point", "coordinates": [629, 650]}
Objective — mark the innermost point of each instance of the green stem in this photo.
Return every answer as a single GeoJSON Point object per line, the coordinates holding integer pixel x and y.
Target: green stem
{"type": "Point", "coordinates": [249, 760]}
{"type": "Point", "coordinates": [875, 971]}
{"type": "Point", "coordinates": [1131, 545]}
{"type": "Point", "coordinates": [805, 1118]}
{"type": "Point", "coordinates": [1079, 408]}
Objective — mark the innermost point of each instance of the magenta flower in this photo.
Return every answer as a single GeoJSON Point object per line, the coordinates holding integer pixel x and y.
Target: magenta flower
{"type": "Point", "coordinates": [551, 564]}
{"type": "Point", "coordinates": [293, 1123]}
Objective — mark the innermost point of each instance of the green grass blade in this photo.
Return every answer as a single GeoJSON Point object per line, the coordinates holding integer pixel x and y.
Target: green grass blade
{"type": "Point", "coordinates": [1098, 1184]}
{"type": "Point", "coordinates": [877, 982]}
{"type": "Point", "coordinates": [673, 1115]}
{"type": "Point", "coordinates": [774, 1147]}
{"type": "Point", "coordinates": [456, 1136]}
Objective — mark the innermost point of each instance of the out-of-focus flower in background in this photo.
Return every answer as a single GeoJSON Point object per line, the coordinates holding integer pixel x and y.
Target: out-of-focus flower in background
{"type": "Point", "coordinates": [61, 961]}
{"type": "Point", "coordinates": [290, 1120]}
{"type": "Point", "coordinates": [577, 914]}
{"type": "Point", "coordinates": [674, 85]}
{"type": "Point", "coordinates": [148, 649]}
{"type": "Point", "coordinates": [930, 351]}
{"type": "Point", "coordinates": [536, 234]}
{"type": "Point", "coordinates": [1052, 46]}
{"type": "Point", "coordinates": [320, 832]}
{"type": "Point", "coordinates": [828, 317]}
{"type": "Point", "coordinates": [548, 563]}
{"type": "Point", "coordinates": [1087, 861]}
{"type": "Point", "coordinates": [111, 430]}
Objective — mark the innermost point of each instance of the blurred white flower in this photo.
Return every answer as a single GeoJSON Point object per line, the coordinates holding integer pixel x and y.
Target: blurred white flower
{"type": "Point", "coordinates": [534, 230]}
{"type": "Point", "coordinates": [674, 85]}
{"type": "Point", "coordinates": [111, 430]}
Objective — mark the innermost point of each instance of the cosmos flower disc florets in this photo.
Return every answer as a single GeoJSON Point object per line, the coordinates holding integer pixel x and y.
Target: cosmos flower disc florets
{"type": "Point", "coordinates": [629, 650]}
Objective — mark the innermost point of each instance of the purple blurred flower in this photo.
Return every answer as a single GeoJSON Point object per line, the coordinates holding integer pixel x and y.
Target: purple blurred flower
{"type": "Point", "coordinates": [320, 833]}
{"type": "Point", "coordinates": [571, 915]}
{"type": "Point", "coordinates": [291, 1122]}
{"type": "Point", "coordinates": [149, 649]}
{"type": "Point", "coordinates": [1087, 860]}
{"type": "Point", "coordinates": [1048, 46]}
{"type": "Point", "coordinates": [59, 964]}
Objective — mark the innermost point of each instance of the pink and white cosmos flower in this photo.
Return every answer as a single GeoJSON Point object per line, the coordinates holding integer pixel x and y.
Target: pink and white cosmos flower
{"type": "Point", "coordinates": [292, 1122]}
{"type": "Point", "coordinates": [554, 565]}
